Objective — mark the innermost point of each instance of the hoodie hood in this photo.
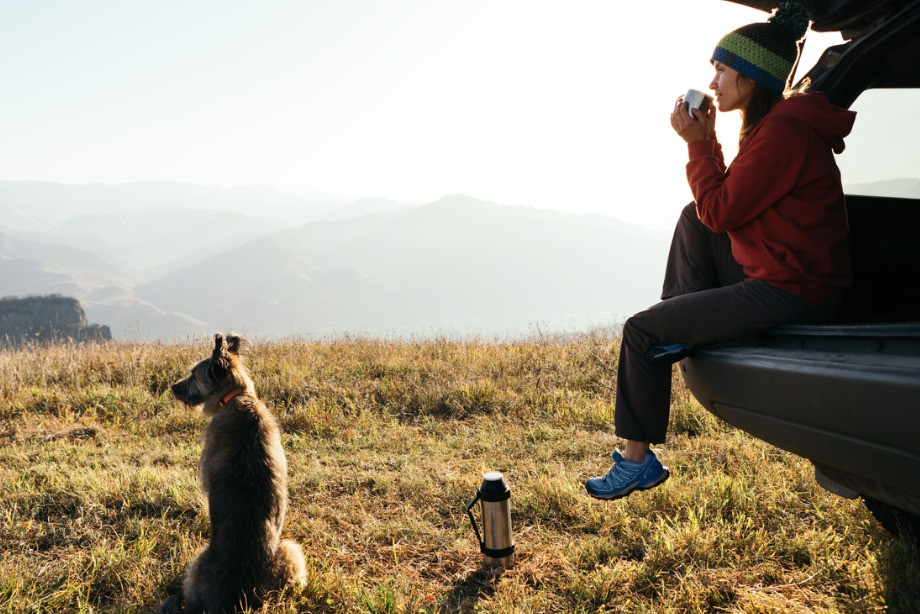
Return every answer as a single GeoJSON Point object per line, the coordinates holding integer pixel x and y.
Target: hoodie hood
{"type": "Point", "coordinates": [832, 123]}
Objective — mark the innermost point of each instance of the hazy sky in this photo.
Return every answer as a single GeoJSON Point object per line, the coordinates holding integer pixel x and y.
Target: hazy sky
{"type": "Point", "coordinates": [559, 104]}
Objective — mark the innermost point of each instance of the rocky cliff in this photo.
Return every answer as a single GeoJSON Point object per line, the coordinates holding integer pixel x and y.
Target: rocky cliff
{"type": "Point", "coordinates": [46, 319]}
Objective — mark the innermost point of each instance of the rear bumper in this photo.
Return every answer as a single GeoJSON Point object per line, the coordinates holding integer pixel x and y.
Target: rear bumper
{"type": "Point", "coordinates": [847, 398]}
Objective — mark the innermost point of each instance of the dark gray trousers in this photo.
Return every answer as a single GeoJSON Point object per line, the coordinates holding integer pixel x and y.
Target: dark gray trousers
{"type": "Point", "coordinates": [706, 300]}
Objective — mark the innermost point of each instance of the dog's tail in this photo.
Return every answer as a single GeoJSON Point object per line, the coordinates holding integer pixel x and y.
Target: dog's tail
{"type": "Point", "coordinates": [290, 567]}
{"type": "Point", "coordinates": [171, 605]}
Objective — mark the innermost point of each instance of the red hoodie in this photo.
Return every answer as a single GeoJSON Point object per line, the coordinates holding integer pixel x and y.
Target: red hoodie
{"type": "Point", "coordinates": [781, 201]}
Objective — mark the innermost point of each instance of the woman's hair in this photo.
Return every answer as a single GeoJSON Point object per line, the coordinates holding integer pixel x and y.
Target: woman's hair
{"type": "Point", "coordinates": [762, 101]}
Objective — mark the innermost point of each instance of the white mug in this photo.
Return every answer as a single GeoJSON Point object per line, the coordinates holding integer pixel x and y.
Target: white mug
{"type": "Point", "coordinates": [696, 99]}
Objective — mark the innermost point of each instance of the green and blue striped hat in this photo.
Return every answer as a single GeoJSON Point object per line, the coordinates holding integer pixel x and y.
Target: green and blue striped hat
{"type": "Point", "coordinates": [766, 52]}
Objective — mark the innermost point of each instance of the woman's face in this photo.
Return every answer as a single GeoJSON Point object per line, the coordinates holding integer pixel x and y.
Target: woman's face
{"type": "Point", "coordinates": [732, 90]}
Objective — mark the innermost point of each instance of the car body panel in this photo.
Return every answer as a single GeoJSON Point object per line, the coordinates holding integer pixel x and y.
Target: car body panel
{"type": "Point", "coordinates": [845, 397]}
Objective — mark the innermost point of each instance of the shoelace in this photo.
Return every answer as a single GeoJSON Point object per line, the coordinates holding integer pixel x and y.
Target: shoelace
{"type": "Point", "coordinates": [626, 473]}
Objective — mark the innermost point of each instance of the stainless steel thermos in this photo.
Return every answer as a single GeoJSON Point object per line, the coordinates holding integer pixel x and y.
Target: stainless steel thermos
{"type": "Point", "coordinates": [495, 541]}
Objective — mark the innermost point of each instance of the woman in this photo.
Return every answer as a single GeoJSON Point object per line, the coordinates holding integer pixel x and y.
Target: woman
{"type": "Point", "coordinates": [764, 243]}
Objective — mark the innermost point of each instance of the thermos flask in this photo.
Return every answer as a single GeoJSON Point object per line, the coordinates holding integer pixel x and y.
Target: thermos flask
{"type": "Point", "coordinates": [495, 541]}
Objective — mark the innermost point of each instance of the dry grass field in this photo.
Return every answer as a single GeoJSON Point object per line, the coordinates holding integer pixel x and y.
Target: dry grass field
{"type": "Point", "coordinates": [100, 509]}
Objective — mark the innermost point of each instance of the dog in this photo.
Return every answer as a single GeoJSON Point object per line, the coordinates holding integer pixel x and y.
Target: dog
{"type": "Point", "coordinates": [243, 474]}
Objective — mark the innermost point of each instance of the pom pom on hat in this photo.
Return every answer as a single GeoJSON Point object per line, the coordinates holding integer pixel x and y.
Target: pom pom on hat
{"type": "Point", "coordinates": [767, 52]}
{"type": "Point", "coordinates": [791, 16]}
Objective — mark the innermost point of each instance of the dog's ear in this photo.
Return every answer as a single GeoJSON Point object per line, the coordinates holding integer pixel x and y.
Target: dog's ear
{"type": "Point", "coordinates": [218, 345]}
{"type": "Point", "coordinates": [234, 343]}
{"type": "Point", "coordinates": [220, 360]}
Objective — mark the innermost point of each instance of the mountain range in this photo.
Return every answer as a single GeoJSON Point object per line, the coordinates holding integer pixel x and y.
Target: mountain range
{"type": "Point", "coordinates": [172, 261]}
{"type": "Point", "coordinates": [169, 261]}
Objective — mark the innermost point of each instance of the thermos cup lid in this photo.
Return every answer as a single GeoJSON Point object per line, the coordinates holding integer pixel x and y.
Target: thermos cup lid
{"type": "Point", "coordinates": [494, 488]}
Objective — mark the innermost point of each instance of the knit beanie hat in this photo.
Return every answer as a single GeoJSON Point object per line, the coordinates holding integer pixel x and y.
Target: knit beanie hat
{"type": "Point", "coordinates": [766, 52]}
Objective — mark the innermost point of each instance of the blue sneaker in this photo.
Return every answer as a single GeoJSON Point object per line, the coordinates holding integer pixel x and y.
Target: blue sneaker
{"type": "Point", "coordinates": [626, 476]}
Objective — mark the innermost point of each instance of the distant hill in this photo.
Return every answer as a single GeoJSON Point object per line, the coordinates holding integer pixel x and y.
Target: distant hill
{"type": "Point", "coordinates": [179, 260]}
{"type": "Point", "coordinates": [44, 319]}
{"type": "Point", "coordinates": [458, 265]}
{"type": "Point", "coordinates": [152, 225]}
{"type": "Point", "coordinates": [31, 266]}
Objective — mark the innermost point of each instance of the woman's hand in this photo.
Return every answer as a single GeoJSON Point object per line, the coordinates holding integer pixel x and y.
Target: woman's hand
{"type": "Point", "coordinates": [690, 129]}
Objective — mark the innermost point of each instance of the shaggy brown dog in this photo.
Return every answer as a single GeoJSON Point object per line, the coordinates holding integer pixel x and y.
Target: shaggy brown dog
{"type": "Point", "coordinates": [244, 477]}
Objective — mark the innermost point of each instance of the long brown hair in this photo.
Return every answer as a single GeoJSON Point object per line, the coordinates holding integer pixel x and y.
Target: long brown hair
{"type": "Point", "coordinates": [762, 101]}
